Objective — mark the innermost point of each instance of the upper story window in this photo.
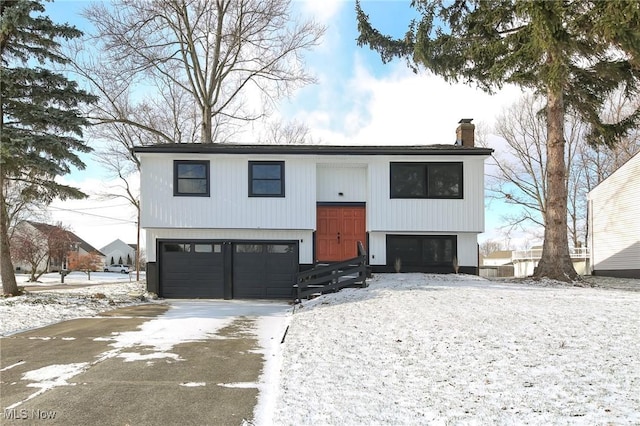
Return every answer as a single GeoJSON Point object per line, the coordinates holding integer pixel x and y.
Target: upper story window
{"type": "Point", "coordinates": [191, 178]}
{"type": "Point", "coordinates": [426, 180]}
{"type": "Point", "coordinates": [266, 178]}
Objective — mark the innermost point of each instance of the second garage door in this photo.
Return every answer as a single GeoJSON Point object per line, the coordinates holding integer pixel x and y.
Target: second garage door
{"type": "Point", "coordinates": [264, 271]}
{"type": "Point", "coordinates": [228, 269]}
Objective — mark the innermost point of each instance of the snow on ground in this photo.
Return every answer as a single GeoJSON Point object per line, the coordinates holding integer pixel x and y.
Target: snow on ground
{"type": "Point", "coordinates": [78, 278]}
{"type": "Point", "coordinates": [446, 349]}
{"type": "Point", "coordinates": [44, 305]}
{"type": "Point", "coordinates": [409, 349]}
{"type": "Point", "coordinates": [192, 321]}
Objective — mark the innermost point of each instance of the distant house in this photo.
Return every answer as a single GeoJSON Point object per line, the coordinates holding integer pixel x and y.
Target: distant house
{"type": "Point", "coordinates": [45, 234]}
{"type": "Point", "coordinates": [497, 258]}
{"type": "Point", "coordinates": [614, 228]}
{"type": "Point", "coordinates": [526, 261]}
{"type": "Point", "coordinates": [118, 251]}
{"type": "Point", "coordinates": [496, 264]}
{"type": "Point", "coordinates": [239, 221]}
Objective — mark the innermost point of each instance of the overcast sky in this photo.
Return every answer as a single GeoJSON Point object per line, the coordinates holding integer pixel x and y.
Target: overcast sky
{"type": "Point", "coordinates": [357, 100]}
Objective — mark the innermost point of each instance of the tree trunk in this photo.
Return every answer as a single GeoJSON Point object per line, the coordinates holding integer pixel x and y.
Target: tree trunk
{"type": "Point", "coordinates": [207, 128]}
{"type": "Point", "coordinates": [556, 262]}
{"type": "Point", "coordinates": [138, 244]}
{"type": "Point", "coordinates": [9, 285]}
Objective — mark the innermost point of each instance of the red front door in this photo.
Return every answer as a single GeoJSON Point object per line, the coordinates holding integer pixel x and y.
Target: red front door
{"type": "Point", "coordinates": [338, 231]}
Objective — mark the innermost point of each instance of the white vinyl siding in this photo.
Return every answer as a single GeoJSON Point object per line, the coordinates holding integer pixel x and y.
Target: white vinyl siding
{"type": "Point", "coordinates": [334, 180]}
{"type": "Point", "coordinates": [230, 213]}
{"type": "Point", "coordinates": [614, 219]}
{"type": "Point", "coordinates": [426, 215]}
{"type": "Point", "coordinates": [229, 204]}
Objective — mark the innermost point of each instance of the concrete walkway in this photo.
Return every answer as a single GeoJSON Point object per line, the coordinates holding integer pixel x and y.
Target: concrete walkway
{"type": "Point", "coordinates": [81, 379]}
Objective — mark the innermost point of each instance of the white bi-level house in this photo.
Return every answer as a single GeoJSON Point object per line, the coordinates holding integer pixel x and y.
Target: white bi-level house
{"type": "Point", "coordinates": [239, 221]}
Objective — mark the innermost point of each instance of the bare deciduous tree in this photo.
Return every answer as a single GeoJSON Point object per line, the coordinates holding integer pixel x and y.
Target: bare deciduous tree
{"type": "Point", "coordinates": [204, 59]}
{"type": "Point", "coordinates": [287, 133]}
{"type": "Point", "coordinates": [40, 246]}
{"type": "Point", "coordinates": [520, 171]}
{"type": "Point", "coordinates": [490, 246]}
{"type": "Point", "coordinates": [121, 165]}
{"type": "Point", "coordinates": [600, 161]}
{"type": "Point", "coordinates": [28, 247]}
{"type": "Point", "coordinates": [176, 71]}
{"type": "Point", "coordinates": [22, 204]}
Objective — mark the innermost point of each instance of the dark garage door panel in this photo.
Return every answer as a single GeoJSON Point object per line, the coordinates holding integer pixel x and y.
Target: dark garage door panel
{"type": "Point", "coordinates": [259, 269]}
{"type": "Point", "coordinates": [265, 270]}
{"type": "Point", "coordinates": [191, 275]}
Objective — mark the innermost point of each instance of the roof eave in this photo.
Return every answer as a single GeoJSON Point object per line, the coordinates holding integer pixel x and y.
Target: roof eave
{"type": "Point", "coordinates": [313, 149]}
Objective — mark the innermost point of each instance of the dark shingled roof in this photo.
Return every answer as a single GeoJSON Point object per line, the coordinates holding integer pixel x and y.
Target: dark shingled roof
{"type": "Point", "coordinates": [228, 148]}
{"type": "Point", "coordinates": [46, 228]}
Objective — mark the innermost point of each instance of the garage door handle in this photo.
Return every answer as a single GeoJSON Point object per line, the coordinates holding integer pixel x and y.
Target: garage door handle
{"type": "Point", "coordinates": [338, 237]}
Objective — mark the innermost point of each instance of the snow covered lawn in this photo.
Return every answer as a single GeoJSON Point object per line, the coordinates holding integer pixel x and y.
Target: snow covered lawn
{"type": "Point", "coordinates": [422, 349]}
{"type": "Point", "coordinates": [84, 298]}
{"type": "Point", "coordinates": [444, 349]}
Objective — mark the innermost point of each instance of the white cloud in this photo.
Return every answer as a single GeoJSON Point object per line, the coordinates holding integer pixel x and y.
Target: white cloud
{"type": "Point", "coordinates": [405, 109]}
{"type": "Point", "coordinates": [402, 108]}
{"type": "Point", "coordinates": [322, 10]}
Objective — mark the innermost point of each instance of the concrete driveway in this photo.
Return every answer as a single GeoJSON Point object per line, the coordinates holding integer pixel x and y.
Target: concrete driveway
{"type": "Point", "coordinates": [183, 363]}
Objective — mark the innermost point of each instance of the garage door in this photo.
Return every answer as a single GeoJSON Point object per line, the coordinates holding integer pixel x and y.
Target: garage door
{"type": "Point", "coordinates": [264, 270]}
{"type": "Point", "coordinates": [246, 270]}
{"type": "Point", "coordinates": [191, 270]}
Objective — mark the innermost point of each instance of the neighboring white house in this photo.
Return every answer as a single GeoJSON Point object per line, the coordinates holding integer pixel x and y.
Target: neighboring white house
{"type": "Point", "coordinates": [497, 258]}
{"type": "Point", "coordinates": [239, 221]}
{"type": "Point", "coordinates": [52, 243]}
{"type": "Point", "coordinates": [614, 225]}
{"type": "Point", "coordinates": [526, 261]}
{"type": "Point", "coordinates": [496, 264]}
{"type": "Point", "coordinates": [522, 263]}
{"type": "Point", "coordinates": [118, 251]}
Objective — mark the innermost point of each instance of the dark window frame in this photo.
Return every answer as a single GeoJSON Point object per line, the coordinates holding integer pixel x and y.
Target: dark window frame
{"type": "Point", "coordinates": [420, 239]}
{"type": "Point", "coordinates": [280, 194]}
{"type": "Point", "coordinates": [427, 168]}
{"type": "Point", "coordinates": [176, 178]}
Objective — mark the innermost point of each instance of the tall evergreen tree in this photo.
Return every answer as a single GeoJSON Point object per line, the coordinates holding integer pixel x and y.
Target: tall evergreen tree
{"type": "Point", "coordinates": [572, 52]}
{"type": "Point", "coordinates": [41, 124]}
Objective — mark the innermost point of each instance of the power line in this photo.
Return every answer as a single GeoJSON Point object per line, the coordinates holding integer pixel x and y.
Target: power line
{"type": "Point", "coordinates": [96, 208]}
{"type": "Point", "coordinates": [93, 214]}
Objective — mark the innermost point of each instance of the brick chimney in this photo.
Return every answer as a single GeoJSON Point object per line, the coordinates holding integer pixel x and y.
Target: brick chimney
{"type": "Point", "coordinates": [465, 133]}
